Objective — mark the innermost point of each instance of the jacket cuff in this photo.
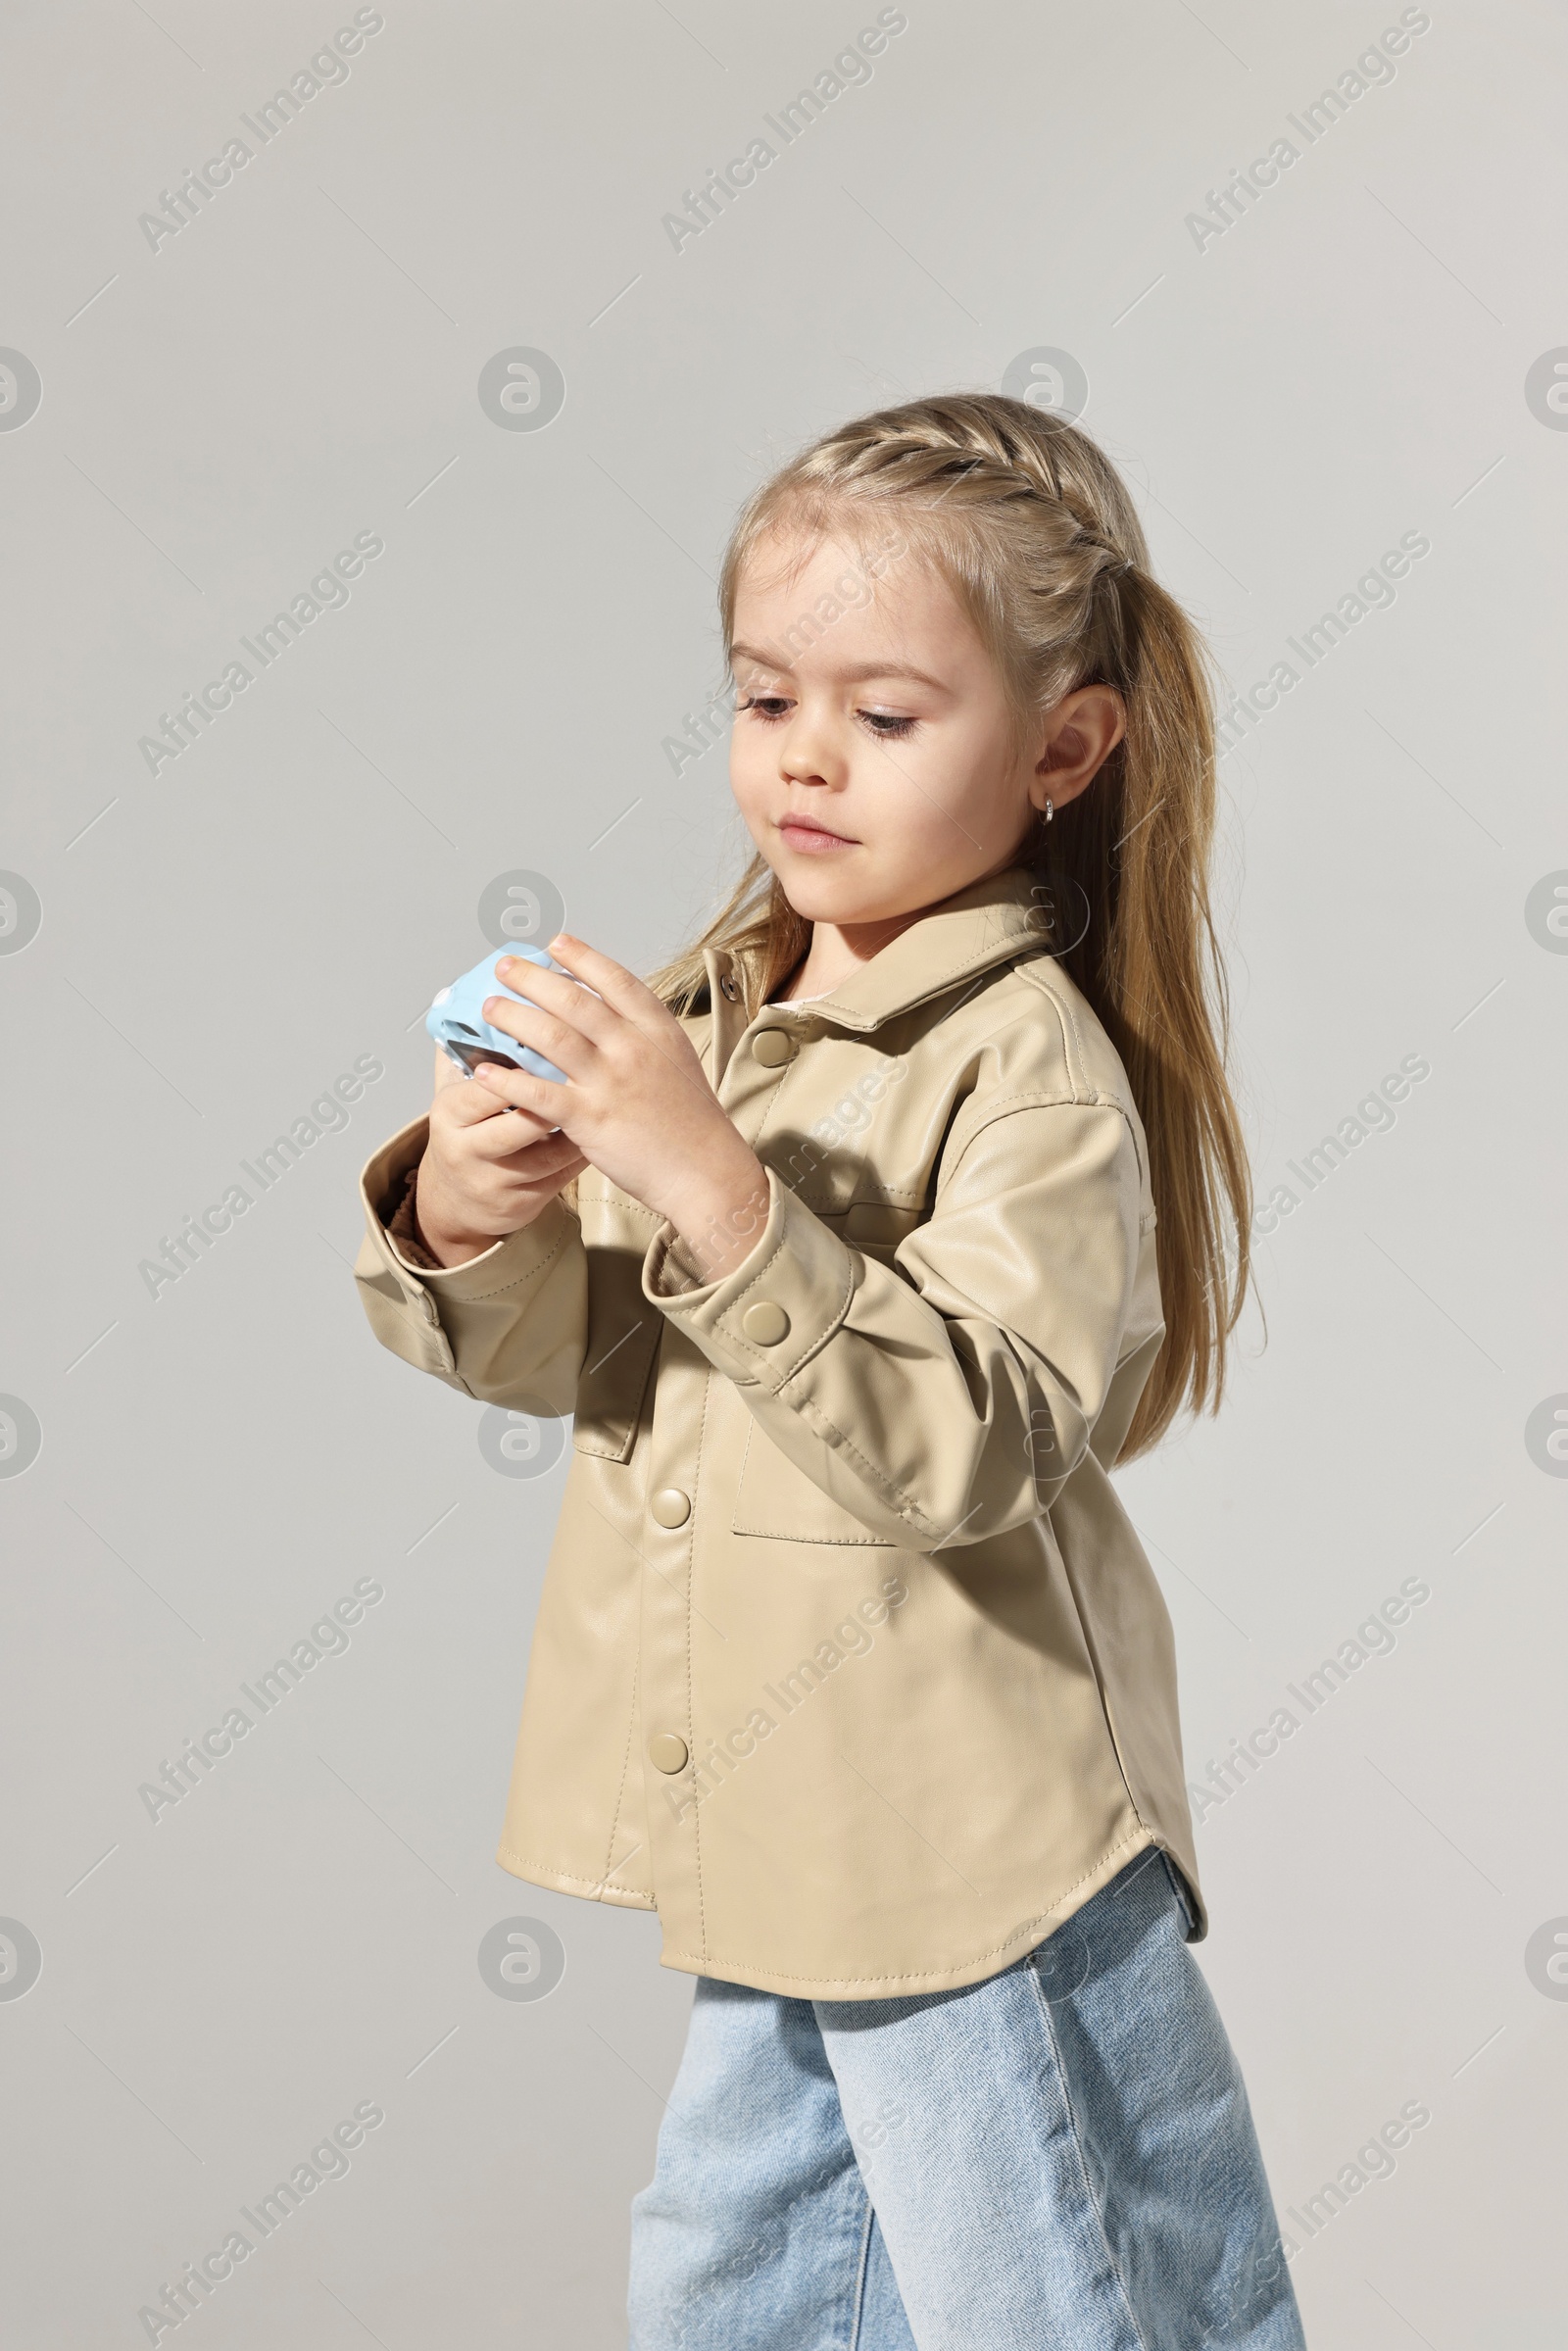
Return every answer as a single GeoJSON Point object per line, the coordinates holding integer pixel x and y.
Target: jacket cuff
{"type": "Point", "coordinates": [386, 1187]}
{"type": "Point", "coordinates": [762, 1322]}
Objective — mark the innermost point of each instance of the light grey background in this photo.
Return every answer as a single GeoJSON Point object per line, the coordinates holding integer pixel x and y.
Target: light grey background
{"type": "Point", "coordinates": [1345, 364]}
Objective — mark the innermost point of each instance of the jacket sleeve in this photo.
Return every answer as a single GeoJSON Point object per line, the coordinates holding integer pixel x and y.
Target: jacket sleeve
{"type": "Point", "coordinates": [946, 1396]}
{"type": "Point", "coordinates": [508, 1328]}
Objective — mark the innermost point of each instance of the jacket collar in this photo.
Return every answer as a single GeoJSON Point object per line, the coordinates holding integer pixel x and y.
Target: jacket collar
{"type": "Point", "coordinates": [990, 922]}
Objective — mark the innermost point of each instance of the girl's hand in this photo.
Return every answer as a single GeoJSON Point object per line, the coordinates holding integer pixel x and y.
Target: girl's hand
{"type": "Point", "coordinates": [488, 1169]}
{"type": "Point", "coordinates": [636, 1102]}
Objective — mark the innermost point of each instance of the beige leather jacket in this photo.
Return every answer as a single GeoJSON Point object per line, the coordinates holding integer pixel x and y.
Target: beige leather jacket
{"type": "Point", "coordinates": [849, 1662]}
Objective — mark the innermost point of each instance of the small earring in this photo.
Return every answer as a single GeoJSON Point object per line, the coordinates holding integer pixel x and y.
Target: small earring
{"type": "Point", "coordinates": [1050, 812]}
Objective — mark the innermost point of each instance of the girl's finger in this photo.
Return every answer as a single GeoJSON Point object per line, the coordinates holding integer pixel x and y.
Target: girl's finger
{"type": "Point", "coordinates": [554, 993]}
{"type": "Point", "coordinates": [541, 1097]}
{"type": "Point", "coordinates": [568, 1048]}
{"type": "Point", "coordinates": [620, 989]}
{"type": "Point", "coordinates": [511, 1131]}
{"type": "Point", "coordinates": [548, 1162]}
{"type": "Point", "coordinates": [469, 1102]}
{"type": "Point", "coordinates": [533, 1162]}
{"type": "Point", "coordinates": [636, 1003]}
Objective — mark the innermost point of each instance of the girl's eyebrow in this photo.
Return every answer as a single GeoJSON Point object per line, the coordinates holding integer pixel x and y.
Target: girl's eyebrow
{"type": "Point", "coordinates": [851, 677]}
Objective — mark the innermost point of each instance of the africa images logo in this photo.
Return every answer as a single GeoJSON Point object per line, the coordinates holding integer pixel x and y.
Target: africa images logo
{"type": "Point", "coordinates": [21, 390]}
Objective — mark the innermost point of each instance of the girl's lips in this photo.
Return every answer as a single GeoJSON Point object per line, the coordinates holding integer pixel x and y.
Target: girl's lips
{"type": "Point", "coordinates": [812, 838]}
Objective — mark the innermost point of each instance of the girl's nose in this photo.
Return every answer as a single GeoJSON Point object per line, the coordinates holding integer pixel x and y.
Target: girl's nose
{"type": "Point", "coordinates": [809, 753]}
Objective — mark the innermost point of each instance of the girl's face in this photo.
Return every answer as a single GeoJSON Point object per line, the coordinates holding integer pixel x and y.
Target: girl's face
{"type": "Point", "coordinates": [874, 757]}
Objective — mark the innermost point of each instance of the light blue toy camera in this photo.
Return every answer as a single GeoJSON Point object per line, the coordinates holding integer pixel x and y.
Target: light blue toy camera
{"type": "Point", "coordinates": [457, 1021]}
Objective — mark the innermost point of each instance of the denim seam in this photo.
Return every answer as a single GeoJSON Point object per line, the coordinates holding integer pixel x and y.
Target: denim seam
{"type": "Point", "coordinates": [857, 2311]}
{"type": "Point", "coordinates": [1083, 2167]}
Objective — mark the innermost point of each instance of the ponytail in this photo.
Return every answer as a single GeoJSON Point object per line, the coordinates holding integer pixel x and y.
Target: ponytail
{"type": "Point", "coordinates": [1137, 845]}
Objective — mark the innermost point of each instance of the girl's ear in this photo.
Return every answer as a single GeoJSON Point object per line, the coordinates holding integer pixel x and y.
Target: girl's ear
{"type": "Point", "coordinates": [1076, 738]}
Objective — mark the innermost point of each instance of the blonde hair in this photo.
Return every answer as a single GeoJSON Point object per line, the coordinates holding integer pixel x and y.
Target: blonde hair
{"type": "Point", "coordinates": [1033, 530]}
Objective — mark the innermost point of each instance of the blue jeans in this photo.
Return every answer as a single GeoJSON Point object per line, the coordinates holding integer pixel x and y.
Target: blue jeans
{"type": "Point", "coordinates": [1061, 2156]}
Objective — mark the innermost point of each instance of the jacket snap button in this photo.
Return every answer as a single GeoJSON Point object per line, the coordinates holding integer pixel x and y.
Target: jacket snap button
{"type": "Point", "coordinates": [666, 1752]}
{"type": "Point", "coordinates": [772, 1048]}
{"type": "Point", "coordinates": [671, 1508]}
{"type": "Point", "coordinates": [728, 989]}
{"type": "Point", "coordinates": [765, 1323]}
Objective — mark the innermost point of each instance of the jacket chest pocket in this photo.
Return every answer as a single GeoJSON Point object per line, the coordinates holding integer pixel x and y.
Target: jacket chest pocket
{"type": "Point", "coordinates": [775, 1500]}
{"type": "Point", "coordinates": [624, 1334]}
{"type": "Point", "coordinates": [878, 1226]}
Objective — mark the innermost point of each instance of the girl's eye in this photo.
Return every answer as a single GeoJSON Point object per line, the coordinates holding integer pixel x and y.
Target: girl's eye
{"type": "Point", "coordinates": [885, 725]}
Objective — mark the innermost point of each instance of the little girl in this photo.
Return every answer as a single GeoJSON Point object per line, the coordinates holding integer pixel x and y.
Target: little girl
{"type": "Point", "coordinates": [862, 1246]}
